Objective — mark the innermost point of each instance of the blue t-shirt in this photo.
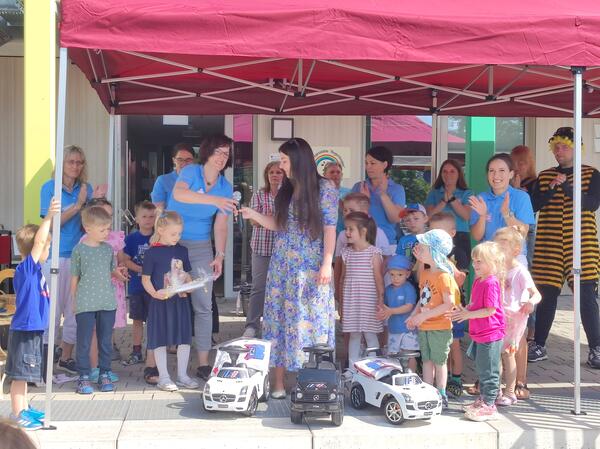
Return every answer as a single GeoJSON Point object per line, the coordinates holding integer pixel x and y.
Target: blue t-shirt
{"type": "Point", "coordinates": [32, 297]}
{"type": "Point", "coordinates": [396, 297]}
{"type": "Point", "coordinates": [437, 195]}
{"type": "Point", "coordinates": [198, 218]}
{"type": "Point", "coordinates": [136, 245]}
{"type": "Point", "coordinates": [71, 231]}
{"type": "Point", "coordinates": [163, 187]}
{"type": "Point", "coordinates": [405, 246]}
{"type": "Point", "coordinates": [376, 210]}
{"type": "Point", "coordinates": [519, 203]}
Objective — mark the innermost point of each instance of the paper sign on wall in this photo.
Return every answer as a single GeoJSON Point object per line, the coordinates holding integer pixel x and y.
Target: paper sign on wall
{"type": "Point", "coordinates": [340, 155]}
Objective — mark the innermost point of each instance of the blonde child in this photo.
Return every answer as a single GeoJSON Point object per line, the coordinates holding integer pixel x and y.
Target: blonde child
{"type": "Point", "coordinates": [399, 301]}
{"type": "Point", "coordinates": [169, 317]}
{"type": "Point", "coordinates": [486, 327]}
{"type": "Point", "coordinates": [362, 281]}
{"type": "Point", "coordinates": [438, 294]}
{"type": "Point", "coordinates": [520, 297]}
{"type": "Point", "coordinates": [30, 319]}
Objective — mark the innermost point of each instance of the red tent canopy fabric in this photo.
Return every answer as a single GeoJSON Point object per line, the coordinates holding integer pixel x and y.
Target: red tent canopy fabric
{"type": "Point", "coordinates": [509, 58]}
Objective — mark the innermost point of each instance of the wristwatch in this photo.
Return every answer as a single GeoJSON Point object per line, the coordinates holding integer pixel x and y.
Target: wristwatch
{"type": "Point", "coordinates": [452, 198]}
{"type": "Point", "coordinates": [507, 216]}
{"type": "Point", "coordinates": [220, 253]}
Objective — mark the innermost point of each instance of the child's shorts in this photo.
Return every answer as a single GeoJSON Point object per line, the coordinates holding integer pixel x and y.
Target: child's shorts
{"type": "Point", "coordinates": [138, 307]}
{"type": "Point", "coordinates": [435, 345]}
{"type": "Point", "coordinates": [24, 360]}
{"type": "Point", "coordinates": [407, 341]}
{"type": "Point", "coordinates": [458, 330]}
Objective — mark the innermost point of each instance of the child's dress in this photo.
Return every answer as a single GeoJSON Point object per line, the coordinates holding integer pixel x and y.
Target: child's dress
{"type": "Point", "coordinates": [360, 291]}
{"type": "Point", "coordinates": [516, 294]}
{"type": "Point", "coordinates": [116, 240]}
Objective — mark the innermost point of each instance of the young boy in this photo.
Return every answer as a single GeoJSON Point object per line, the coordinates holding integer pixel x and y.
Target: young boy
{"type": "Point", "coordinates": [24, 361]}
{"type": "Point", "coordinates": [92, 265]}
{"type": "Point", "coordinates": [414, 217]}
{"type": "Point", "coordinates": [438, 294]}
{"type": "Point", "coordinates": [399, 300]}
{"type": "Point", "coordinates": [136, 245]}
{"type": "Point", "coordinates": [446, 222]}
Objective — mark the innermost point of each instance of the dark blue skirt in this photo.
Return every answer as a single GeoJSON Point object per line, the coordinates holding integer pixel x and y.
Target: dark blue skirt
{"type": "Point", "coordinates": [169, 322]}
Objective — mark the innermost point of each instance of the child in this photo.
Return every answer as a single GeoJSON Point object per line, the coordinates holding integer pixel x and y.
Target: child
{"type": "Point", "coordinates": [136, 245]}
{"type": "Point", "coordinates": [362, 281]}
{"type": "Point", "coordinates": [438, 294]}
{"type": "Point", "coordinates": [446, 222]}
{"type": "Point", "coordinates": [520, 297]}
{"type": "Point", "coordinates": [399, 300]}
{"type": "Point", "coordinates": [486, 327]}
{"type": "Point", "coordinates": [24, 361]}
{"type": "Point", "coordinates": [92, 268]}
{"type": "Point", "coordinates": [414, 217]}
{"type": "Point", "coordinates": [169, 317]}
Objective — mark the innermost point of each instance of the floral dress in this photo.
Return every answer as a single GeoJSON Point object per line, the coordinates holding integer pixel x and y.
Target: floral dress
{"type": "Point", "coordinates": [299, 312]}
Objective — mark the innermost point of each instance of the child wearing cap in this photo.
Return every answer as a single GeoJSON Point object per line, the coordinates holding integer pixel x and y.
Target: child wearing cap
{"type": "Point", "coordinates": [399, 300]}
{"type": "Point", "coordinates": [438, 294]}
{"type": "Point", "coordinates": [414, 217]}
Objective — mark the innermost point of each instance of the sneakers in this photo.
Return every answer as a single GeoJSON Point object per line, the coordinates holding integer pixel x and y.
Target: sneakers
{"type": "Point", "coordinates": [536, 353]}
{"type": "Point", "coordinates": [444, 401]}
{"type": "Point", "coordinates": [26, 421]}
{"type": "Point", "coordinates": [483, 413]}
{"type": "Point", "coordinates": [116, 354]}
{"type": "Point", "coordinates": [278, 394]}
{"type": "Point", "coordinates": [68, 365]}
{"type": "Point", "coordinates": [105, 384]}
{"type": "Point", "coordinates": [84, 385]}
{"type": "Point", "coordinates": [475, 405]}
{"type": "Point", "coordinates": [167, 385]}
{"type": "Point", "coordinates": [95, 374]}
{"type": "Point", "coordinates": [203, 372]}
{"type": "Point", "coordinates": [504, 400]}
{"type": "Point", "coordinates": [187, 383]}
{"type": "Point", "coordinates": [133, 359]}
{"type": "Point", "coordinates": [454, 387]}
{"type": "Point", "coordinates": [593, 360]}
{"type": "Point", "coordinates": [249, 332]}
{"type": "Point", "coordinates": [36, 414]}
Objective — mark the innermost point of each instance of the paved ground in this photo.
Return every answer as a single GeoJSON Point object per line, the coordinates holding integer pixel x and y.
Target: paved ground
{"type": "Point", "coordinates": [139, 415]}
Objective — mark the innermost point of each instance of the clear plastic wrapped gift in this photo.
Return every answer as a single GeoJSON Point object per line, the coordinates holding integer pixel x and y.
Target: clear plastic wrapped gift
{"type": "Point", "coordinates": [178, 281]}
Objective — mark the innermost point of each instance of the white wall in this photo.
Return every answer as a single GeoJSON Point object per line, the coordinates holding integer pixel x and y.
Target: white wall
{"type": "Point", "coordinates": [335, 131]}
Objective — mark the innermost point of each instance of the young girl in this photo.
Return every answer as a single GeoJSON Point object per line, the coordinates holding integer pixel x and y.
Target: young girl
{"type": "Point", "coordinates": [486, 327]}
{"type": "Point", "coordinates": [169, 318]}
{"type": "Point", "coordinates": [362, 284]}
{"type": "Point", "coordinates": [520, 297]}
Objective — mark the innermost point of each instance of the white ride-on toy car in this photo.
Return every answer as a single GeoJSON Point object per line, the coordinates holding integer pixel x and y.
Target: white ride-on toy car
{"type": "Point", "coordinates": [385, 382]}
{"type": "Point", "coordinates": [239, 378]}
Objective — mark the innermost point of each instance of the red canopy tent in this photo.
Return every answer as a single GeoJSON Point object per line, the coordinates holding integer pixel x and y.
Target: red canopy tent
{"type": "Point", "coordinates": [510, 58]}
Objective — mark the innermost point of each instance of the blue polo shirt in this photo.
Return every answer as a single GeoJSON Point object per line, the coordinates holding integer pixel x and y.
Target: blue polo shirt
{"type": "Point", "coordinates": [398, 197]}
{"type": "Point", "coordinates": [163, 188]}
{"type": "Point", "coordinates": [198, 218]}
{"type": "Point", "coordinates": [71, 231]}
{"type": "Point", "coordinates": [437, 195]}
{"type": "Point", "coordinates": [396, 297]}
{"type": "Point", "coordinates": [32, 297]}
{"type": "Point", "coordinates": [519, 204]}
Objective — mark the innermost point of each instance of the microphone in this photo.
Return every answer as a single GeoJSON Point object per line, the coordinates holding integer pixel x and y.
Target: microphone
{"type": "Point", "coordinates": [237, 196]}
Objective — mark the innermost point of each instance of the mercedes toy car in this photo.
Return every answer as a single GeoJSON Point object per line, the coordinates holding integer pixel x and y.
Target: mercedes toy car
{"type": "Point", "coordinates": [239, 378]}
{"type": "Point", "coordinates": [318, 386]}
{"type": "Point", "coordinates": [385, 382]}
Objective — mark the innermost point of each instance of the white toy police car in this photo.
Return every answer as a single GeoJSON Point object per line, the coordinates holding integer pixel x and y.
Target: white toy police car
{"type": "Point", "coordinates": [239, 378]}
{"type": "Point", "coordinates": [383, 382]}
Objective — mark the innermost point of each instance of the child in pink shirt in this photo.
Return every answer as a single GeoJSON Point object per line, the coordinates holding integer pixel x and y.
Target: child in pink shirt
{"type": "Point", "coordinates": [486, 327]}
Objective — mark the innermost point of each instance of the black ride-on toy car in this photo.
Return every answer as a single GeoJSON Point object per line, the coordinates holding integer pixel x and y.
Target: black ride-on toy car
{"type": "Point", "coordinates": [319, 386]}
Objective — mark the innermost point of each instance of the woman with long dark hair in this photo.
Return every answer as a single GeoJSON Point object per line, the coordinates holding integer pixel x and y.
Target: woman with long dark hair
{"type": "Point", "coordinates": [299, 306]}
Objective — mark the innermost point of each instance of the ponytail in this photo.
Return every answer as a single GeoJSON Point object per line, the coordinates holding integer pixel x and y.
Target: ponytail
{"type": "Point", "coordinates": [163, 219]}
{"type": "Point", "coordinates": [363, 221]}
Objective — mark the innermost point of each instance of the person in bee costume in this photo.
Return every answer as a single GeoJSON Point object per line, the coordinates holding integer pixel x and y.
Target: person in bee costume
{"type": "Point", "coordinates": [553, 254]}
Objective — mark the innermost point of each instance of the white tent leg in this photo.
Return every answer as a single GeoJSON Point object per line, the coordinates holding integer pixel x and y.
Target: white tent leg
{"type": "Point", "coordinates": [228, 268]}
{"type": "Point", "coordinates": [577, 112]}
{"type": "Point", "coordinates": [111, 156]}
{"type": "Point", "coordinates": [58, 174]}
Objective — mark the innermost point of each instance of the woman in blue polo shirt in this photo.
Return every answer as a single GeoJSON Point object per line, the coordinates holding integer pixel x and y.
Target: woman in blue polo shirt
{"type": "Point", "coordinates": [502, 205]}
{"type": "Point", "coordinates": [183, 155]}
{"type": "Point", "coordinates": [387, 197]}
{"type": "Point", "coordinates": [201, 195]}
{"type": "Point", "coordinates": [451, 194]}
{"type": "Point", "coordinates": [76, 191]}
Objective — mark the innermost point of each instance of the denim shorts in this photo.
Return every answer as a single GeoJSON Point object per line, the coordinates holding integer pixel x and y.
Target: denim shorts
{"type": "Point", "coordinates": [24, 360]}
{"type": "Point", "coordinates": [458, 330]}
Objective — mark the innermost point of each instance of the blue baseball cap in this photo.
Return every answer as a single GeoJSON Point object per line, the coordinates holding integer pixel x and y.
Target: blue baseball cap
{"type": "Point", "coordinates": [413, 207]}
{"type": "Point", "coordinates": [399, 262]}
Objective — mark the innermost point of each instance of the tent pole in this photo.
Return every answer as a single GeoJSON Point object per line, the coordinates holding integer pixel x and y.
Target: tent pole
{"type": "Point", "coordinates": [58, 174]}
{"type": "Point", "coordinates": [111, 155]}
{"type": "Point", "coordinates": [577, 112]}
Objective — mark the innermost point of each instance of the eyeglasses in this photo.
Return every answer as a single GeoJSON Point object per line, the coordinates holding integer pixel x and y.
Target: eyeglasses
{"type": "Point", "coordinates": [75, 162]}
{"type": "Point", "coordinates": [223, 154]}
{"type": "Point", "coordinates": [187, 160]}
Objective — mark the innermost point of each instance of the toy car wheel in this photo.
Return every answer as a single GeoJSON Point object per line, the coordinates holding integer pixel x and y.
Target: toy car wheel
{"type": "Point", "coordinates": [337, 418]}
{"type": "Point", "coordinates": [266, 389]}
{"type": "Point", "coordinates": [252, 404]}
{"type": "Point", "coordinates": [357, 396]}
{"type": "Point", "coordinates": [393, 411]}
{"type": "Point", "coordinates": [296, 417]}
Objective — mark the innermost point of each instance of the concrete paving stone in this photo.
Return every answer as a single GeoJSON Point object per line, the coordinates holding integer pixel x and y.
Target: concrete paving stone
{"type": "Point", "coordinates": [136, 396]}
{"type": "Point", "coordinates": [116, 396]}
{"type": "Point", "coordinates": [79, 435]}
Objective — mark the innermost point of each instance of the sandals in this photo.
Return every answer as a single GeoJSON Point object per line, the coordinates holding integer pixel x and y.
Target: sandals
{"type": "Point", "coordinates": [151, 375]}
{"type": "Point", "coordinates": [474, 390]}
{"type": "Point", "coordinates": [521, 391]}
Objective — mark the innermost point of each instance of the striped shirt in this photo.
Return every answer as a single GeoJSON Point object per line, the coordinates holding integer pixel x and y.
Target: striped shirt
{"type": "Point", "coordinates": [262, 238]}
